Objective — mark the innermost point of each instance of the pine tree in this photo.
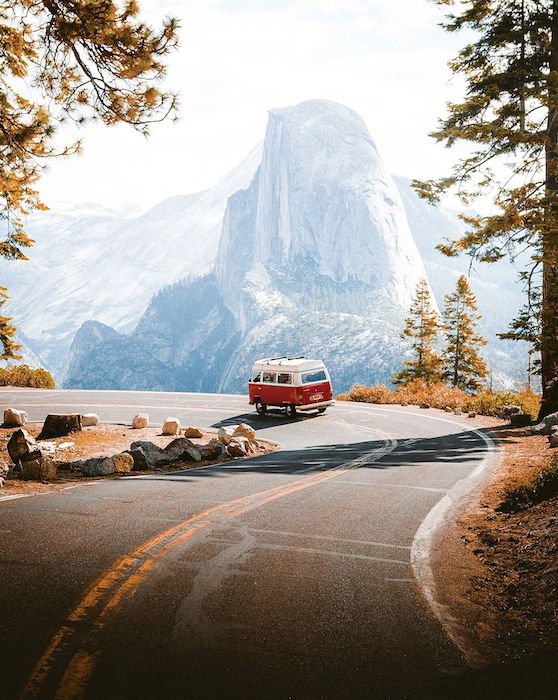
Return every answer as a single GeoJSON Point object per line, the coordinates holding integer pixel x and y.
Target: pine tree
{"type": "Point", "coordinates": [464, 367]}
{"type": "Point", "coordinates": [86, 59]}
{"type": "Point", "coordinates": [510, 116]}
{"type": "Point", "coordinates": [422, 325]}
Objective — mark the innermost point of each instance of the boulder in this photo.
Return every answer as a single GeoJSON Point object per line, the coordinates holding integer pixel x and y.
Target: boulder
{"type": "Point", "coordinates": [182, 450]}
{"type": "Point", "coordinates": [14, 418]}
{"type": "Point", "coordinates": [425, 405]}
{"type": "Point", "coordinates": [546, 425]}
{"type": "Point", "coordinates": [457, 411]}
{"type": "Point", "coordinates": [448, 409]}
{"type": "Point", "coordinates": [74, 466]}
{"type": "Point", "coordinates": [147, 455]}
{"type": "Point", "coordinates": [238, 446]}
{"type": "Point", "coordinates": [520, 420]}
{"type": "Point", "coordinates": [41, 469]}
{"type": "Point", "coordinates": [508, 411]}
{"type": "Point", "coordinates": [553, 438]}
{"type": "Point", "coordinates": [225, 433]}
{"type": "Point", "coordinates": [59, 424]}
{"type": "Point", "coordinates": [123, 462]}
{"type": "Point", "coordinates": [88, 419]}
{"type": "Point", "coordinates": [171, 426]}
{"type": "Point", "coordinates": [472, 414]}
{"type": "Point", "coordinates": [191, 432]}
{"type": "Point", "coordinates": [214, 449]}
{"type": "Point", "coordinates": [98, 466]}
{"type": "Point", "coordinates": [141, 420]}
{"type": "Point", "coordinates": [22, 447]}
{"type": "Point", "coordinates": [245, 430]}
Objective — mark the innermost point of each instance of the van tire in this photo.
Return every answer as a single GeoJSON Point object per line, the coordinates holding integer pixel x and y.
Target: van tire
{"type": "Point", "coordinates": [322, 409]}
{"type": "Point", "coordinates": [261, 408]}
{"type": "Point", "coordinates": [290, 410]}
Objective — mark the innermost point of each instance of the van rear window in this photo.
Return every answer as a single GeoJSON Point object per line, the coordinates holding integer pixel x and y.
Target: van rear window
{"type": "Point", "coordinates": [313, 377]}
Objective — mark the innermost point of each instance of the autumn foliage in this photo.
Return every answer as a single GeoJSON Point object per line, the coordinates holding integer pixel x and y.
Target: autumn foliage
{"type": "Point", "coordinates": [439, 395]}
{"type": "Point", "coordinates": [22, 375]}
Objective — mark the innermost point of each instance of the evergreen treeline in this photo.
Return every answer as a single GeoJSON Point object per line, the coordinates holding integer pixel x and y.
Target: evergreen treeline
{"type": "Point", "coordinates": [459, 363]}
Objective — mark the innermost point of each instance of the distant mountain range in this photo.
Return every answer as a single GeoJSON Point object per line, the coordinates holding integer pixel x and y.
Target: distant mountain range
{"type": "Point", "coordinates": [308, 247]}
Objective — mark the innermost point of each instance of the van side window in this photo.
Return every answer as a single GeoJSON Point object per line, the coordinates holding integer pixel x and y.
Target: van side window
{"type": "Point", "coordinates": [268, 377]}
{"type": "Point", "coordinates": [313, 377]}
{"type": "Point", "coordinates": [257, 377]}
{"type": "Point", "coordinates": [284, 379]}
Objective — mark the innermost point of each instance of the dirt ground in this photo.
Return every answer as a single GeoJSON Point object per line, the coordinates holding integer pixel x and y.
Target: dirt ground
{"type": "Point", "coordinates": [497, 575]}
{"type": "Point", "coordinates": [95, 441]}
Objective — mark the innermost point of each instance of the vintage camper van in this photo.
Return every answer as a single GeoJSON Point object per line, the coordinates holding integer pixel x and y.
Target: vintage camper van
{"type": "Point", "coordinates": [292, 383]}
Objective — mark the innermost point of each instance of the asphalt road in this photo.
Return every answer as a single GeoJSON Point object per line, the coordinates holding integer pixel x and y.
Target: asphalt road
{"type": "Point", "coordinates": [284, 576]}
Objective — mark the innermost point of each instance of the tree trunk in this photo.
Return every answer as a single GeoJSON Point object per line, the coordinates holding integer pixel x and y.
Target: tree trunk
{"type": "Point", "coordinates": [549, 239]}
{"type": "Point", "coordinates": [59, 424]}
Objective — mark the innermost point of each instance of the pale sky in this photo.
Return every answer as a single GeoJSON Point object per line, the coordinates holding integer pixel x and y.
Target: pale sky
{"type": "Point", "coordinates": [386, 59]}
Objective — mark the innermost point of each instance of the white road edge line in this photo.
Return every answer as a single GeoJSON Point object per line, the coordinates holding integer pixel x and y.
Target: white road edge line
{"type": "Point", "coordinates": [421, 551]}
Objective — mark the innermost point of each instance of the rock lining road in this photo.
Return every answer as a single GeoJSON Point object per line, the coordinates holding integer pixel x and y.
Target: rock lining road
{"type": "Point", "coordinates": [288, 575]}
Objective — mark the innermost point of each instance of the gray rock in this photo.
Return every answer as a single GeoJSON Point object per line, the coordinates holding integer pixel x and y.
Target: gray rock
{"type": "Point", "coordinates": [544, 427]}
{"type": "Point", "coordinates": [22, 447]}
{"type": "Point", "coordinates": [553, 438]}
{"type": "Point", "coordinates": [98, 466]}
{"type": "Point", "coordinates": [214, 449]}
{"type": "Point", "coordinates": [457, 411]}
{"type": "Point", "coordinates": [508, 411]}
{"type": "Point", "coordinates": [147, 455]}
{"type": "Point", "coordinates": [183, 450]}
{"type": "Point", "coordinates": [472, 414]}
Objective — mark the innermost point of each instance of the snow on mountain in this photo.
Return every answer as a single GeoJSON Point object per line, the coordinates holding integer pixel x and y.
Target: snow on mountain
{"type": "Point", "coordinates": [308, 247]}
{"type": "Point", "coordinates": [316, 257]}
{"type": "Point", "coordinates": [88, 265]}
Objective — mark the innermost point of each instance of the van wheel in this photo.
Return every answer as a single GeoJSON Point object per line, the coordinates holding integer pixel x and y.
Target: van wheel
{"type": "Point", "coordinates": [260, 408]}
{"type": "Point", "coordinates": [322, 409]}
{"type": "Point", "coordinates": [290, 410]}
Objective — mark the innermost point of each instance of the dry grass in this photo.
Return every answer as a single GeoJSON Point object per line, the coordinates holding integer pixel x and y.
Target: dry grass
{"type": "Point", "coordinates": [487, 403]}
{"type": "Point", "coordinates": [417, 393]}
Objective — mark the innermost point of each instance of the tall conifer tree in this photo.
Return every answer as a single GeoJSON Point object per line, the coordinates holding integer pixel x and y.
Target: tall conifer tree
{"type": "Point", "coordinates": [510, 115]}
{"type": "Point", "coordinates": [464, 368]}
{"type": "Point", "coordinates": [422, 325]}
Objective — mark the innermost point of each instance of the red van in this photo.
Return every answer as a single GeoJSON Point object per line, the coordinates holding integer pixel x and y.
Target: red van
{"type": "Point", "coordinates": [292, 383]}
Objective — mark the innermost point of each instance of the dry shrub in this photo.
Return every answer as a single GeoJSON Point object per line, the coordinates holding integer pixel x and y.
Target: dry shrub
{"type": "Point", "coordinates": [437, 395]}
{"type": "Point", "coordinates": [22, 375]}
{"type": "Point", "coordinates": [490, 403]}
{"type": "Point", "coordinates": [379, 393]}
{"type": "Point", "coordinates": [417, 392]}
{"type": "Point", "coordinates": [540, 487]}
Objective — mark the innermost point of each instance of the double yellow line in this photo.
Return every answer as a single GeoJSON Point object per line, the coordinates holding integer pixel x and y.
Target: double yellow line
{"type": "Point", "coordinates": [64, 670]}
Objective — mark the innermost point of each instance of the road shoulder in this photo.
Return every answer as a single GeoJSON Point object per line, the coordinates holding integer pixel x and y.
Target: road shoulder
{"type": "Point", "coordinates": [496, 573]}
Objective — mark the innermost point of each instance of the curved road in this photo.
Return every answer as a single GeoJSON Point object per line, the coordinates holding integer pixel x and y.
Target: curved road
{"type": "Point", "coordinates": [283, 576]}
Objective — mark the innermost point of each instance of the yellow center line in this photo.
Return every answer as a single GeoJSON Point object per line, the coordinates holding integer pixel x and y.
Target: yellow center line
{"type": "Point", "coordinates": [77, 636]}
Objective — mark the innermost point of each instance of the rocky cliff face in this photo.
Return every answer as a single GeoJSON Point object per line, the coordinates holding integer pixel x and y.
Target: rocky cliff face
{"type": "Point", "coordinates": [92, 265]}
{"type": "Point", "coordinates": [315, 257]}
{"type": "Point", "coordinates": [305, 248]}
